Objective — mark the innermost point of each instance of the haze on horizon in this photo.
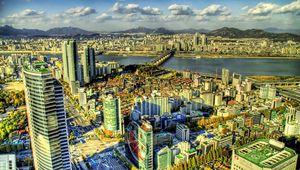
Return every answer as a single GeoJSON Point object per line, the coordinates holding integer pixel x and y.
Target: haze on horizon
{"type": "Point", "coordinates": [111, 15]}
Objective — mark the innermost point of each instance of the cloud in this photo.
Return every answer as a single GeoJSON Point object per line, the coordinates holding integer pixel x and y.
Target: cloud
{"type": "Point", "coordinates": [293, 7]}
{"type": "Point", "coordinates": [134, 8]}
{"type": "Point", "coordinates": [150, 11]}
{"type": "Point", "coordinates": [176, 9]}
{"type": "Point", "coordinates": [104, 17]}
{"type": "Point", "coordinates": [245, 7]}
{"type": "Point", "coordinates": [215, 10]}
{"type": "Point", "coordinates": [25, 18]}
{"type": "Point", "coordinates": [262, 9]}
{"type": "Point", "coordinates": [28, 13]}
{"type": "Point", "coordinates": [79, 11]}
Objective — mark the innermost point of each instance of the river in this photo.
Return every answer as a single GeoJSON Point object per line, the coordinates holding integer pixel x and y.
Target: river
{"type": "Point", "coordinates": [244, 66]}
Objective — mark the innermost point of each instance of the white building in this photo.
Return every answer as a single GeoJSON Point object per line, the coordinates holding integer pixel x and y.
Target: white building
{"type": "Point", "coordinates": [264, 154]}
{"type": "Point", "coordinates": [182, 132]}
{"type": "Point", "coordinates": [8, 161]}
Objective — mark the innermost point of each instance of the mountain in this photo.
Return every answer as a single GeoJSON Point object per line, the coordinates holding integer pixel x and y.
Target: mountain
{"type": "Point", "coordinates": [67, 31]}
{"type": "Point", "coordinates": [278, 30]}
{"type": "Point", "coordinates": [252, 33]}
{"type": "Point", "coordinates": [145, 30]}
{"type": "Point", "coordinates": [161, 30]}
{"type": "Point", "coordinates": [61, 31]}
{"type": "Point", "coordinates": [10, 31]}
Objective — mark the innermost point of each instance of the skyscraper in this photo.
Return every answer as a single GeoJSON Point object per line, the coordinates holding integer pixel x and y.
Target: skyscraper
{"type": "Point", "coordinates": [225, 76]}
{"type": "Point", "coordinates": [88, 63]}
{"type": "Point", "coordinates": [72, 72]}
{"type": "Point", "coordinates": [145, 145]}
{"type": "Point", "coordinates": [112, 114]}
{"type": "Point", "coordinates": [46, 118]}
{"type": "Point", "coordinates": [8, 161]}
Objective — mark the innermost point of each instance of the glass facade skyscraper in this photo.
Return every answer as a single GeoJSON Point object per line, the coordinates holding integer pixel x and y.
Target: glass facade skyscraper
{"type": "Point", "coordinates": [46, 118]}
{"type": "Point", "coordinates": [112, 114]}
{"type": "Point", "coordinates": [88, 63]}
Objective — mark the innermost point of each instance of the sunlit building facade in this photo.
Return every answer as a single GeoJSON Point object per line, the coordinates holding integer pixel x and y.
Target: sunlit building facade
{"type": "Point", "coordinates": [46, 118]}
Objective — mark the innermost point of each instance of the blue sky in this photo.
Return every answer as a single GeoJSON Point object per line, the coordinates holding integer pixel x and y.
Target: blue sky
{"type": "Point", "coordinates": [112, 15]}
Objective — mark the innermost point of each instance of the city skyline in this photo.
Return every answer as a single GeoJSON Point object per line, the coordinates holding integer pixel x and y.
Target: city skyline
{"type": "Point", "coordinates": [120, 15]}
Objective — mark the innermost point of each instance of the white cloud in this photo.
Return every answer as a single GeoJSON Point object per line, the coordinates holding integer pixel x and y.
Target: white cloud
{"type": "Point", "coordinates": [25, 18]}
{"type": "Point", "coordinates": [134, 8]}
{"type": "Point", "coordinates": [293, 7]}
{"type": "Point", "coordinates": [245, 7]}
{"type": "Point", "coordinates": [262, 9]}
{"type": "Point", "coordinates": [79, 11]}
{"type": "Point", "coordinates": [176, 9]}
{"type": "Point", "coordinates": [150, 11]}
{"type": "Point", "coordinates": [104, 17]}
{"type": "Point", "coordinates": [215, 10]}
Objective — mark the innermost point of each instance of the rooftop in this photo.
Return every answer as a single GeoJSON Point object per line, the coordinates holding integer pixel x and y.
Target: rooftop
{"type": "Point", "coordinates": [39, 66]}
{"type": "Point", "coordinates": [265, 153]}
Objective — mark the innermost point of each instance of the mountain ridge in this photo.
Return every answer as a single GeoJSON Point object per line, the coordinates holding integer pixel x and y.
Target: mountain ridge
{"type": "Point", "coordinates": [226, 32]}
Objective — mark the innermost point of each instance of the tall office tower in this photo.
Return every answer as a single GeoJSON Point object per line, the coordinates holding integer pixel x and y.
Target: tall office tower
{"type": "Point", "coordinates": [46, 118]}
{"type": "Point", "coordinates": [164, 158]}
{"type": "Point", "coordinates": [112, 114]}
{"type": "Point", "coordinates": [196, 39]}
{"type": "Point", "coordinates": [182, 132]}
{"type": "Point", "coordinates": [264, 154]}
{"type": "Point", "coordinates": [71, 68]}
{"type": "Point", "coordinates": [236, 79]}
{"type": "Point", "coordinates": [8, 161]}
{"type": "Point", "coordinates": [267, 92]}
{"type": "Point", "coordinates": [225, 76]}
{"type": "Point", "coordinates": [145, 145]}
{"type": "Point", "coordinates": [89, 65]}
{"type": "Point", "coordinates": [203, 39]}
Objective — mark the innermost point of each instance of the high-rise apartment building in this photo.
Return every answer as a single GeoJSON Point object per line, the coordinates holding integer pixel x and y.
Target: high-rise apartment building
{"type": "Point", "coordinates": [154, 105]}
{"type": "Point", "coordinates": [267, 92]}
{"type": "Point", "coordinates": [88, 63]}
{"type": "Point", "coordinates": [225, 76]}
{"type": "Point", "coordinates": [145, 145]}
{"type": "Point", "coordinates": [112, 114]}
{"type": "Point", "coordinates": [46, 118]}
{"type": "Point", "coordinates": [264, 154]}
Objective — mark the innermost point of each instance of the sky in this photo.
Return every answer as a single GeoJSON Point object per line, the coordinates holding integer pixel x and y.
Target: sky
{"type": "Point", "coordinates": [112, 15]}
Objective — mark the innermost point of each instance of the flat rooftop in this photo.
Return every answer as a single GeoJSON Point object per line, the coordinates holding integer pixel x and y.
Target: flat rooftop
{"type": "Point", "coordinates": [39, 66]}
{"type": "Point", "coordinates": [265, 153]}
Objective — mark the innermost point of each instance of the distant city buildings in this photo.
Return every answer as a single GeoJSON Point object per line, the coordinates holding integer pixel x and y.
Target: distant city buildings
{"type": "Point", "coordinates": [46, 118]}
